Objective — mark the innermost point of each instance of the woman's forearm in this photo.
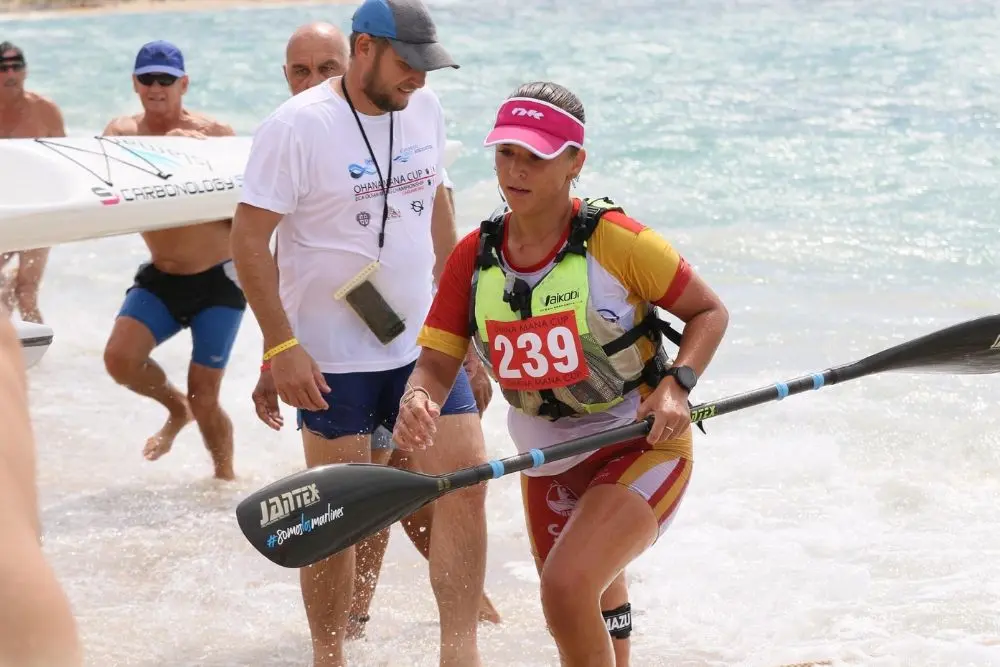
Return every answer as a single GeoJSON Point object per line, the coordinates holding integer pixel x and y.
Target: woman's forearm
{"type": "Point", "coordinates": [435, 373]}
{"type": "Point", "coordinates": [702, 336]}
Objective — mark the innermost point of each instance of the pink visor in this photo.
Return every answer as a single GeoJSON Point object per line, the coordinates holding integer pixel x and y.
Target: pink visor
{"type": "Point", "coordinates": [540, 127]}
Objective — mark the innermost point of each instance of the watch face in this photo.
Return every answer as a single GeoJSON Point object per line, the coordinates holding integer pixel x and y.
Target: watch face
{"type": "Point", "coordinates": [686, 377]}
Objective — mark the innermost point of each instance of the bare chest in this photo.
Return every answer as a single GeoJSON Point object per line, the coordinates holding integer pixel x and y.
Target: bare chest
{"type": "Point", "coordinates": [20, 124]}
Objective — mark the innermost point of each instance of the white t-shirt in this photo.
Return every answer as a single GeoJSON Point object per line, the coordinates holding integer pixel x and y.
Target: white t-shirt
{"type": "Point", "coordinates": [309, 162]}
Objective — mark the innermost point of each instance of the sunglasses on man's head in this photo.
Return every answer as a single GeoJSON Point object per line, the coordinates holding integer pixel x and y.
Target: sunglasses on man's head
{"type": "Point", "coordinates": [164, 80]}
{"type": "Point", "coordinates": [11, 67]}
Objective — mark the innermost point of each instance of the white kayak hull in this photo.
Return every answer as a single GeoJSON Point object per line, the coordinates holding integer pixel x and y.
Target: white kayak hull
{"type": "Point", "coordinates": [62, 190]}
{"type": "Point", "coordinates": [35, 340]}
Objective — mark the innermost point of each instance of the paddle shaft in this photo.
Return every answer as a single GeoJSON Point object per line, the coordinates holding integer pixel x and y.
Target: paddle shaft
{"type": "Point", "coordinates": [536, 457]}
{"type": "Point", "coordinates": [777, 391]}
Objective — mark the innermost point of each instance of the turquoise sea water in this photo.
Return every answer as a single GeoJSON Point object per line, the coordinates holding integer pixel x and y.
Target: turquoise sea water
{"type": "Point", "coordinates": [831, 168]}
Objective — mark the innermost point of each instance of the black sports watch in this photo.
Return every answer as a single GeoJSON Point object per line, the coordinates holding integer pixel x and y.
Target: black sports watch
{"type": "Point", "coordinates": [684, 375]}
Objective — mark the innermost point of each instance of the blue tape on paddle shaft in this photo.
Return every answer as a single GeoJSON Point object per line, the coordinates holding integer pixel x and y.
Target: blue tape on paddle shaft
{"type": "Point", "coordinates": [818, 380]}
{"type": "Point", "coordinates": [497, 467]}
{"type": "Point", "coordinates": [782, 389]}
{"type": "Point", "coordinates": [537, 458]}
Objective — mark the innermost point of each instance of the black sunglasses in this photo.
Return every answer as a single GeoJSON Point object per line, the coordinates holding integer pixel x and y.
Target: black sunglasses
{"type": "Point", "coordinates": [164, 80]}
{"type": "Point", "coordinates": [11, 67]}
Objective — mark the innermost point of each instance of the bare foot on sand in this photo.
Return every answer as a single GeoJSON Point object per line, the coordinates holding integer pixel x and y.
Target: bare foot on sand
{"type": "Point", "coordinates": [161, 443]}
{"type": "Point", "coordinates": [487, 613]}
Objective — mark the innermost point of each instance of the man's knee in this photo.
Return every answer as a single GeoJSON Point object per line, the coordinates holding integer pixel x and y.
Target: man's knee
{"type": "Point", "coordinates": [203, 387]}
{"type": "Point", "coordinates": [128, 348]}
{"type": "Point", "coordinates": [203, 401]}
{"type": "Point", "coordinates": [122, 361]}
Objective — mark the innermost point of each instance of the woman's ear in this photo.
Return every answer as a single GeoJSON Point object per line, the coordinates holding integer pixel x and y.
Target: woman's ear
{"type": "Point", "coordinates": [578, 161]}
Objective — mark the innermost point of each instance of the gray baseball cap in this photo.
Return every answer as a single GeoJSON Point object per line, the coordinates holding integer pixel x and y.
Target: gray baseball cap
{"type": "Point", "coordinates": [408, 26]}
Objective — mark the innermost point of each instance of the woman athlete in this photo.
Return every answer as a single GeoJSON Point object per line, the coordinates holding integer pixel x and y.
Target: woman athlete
{"type": "Point", "coordinates": [558, 297]}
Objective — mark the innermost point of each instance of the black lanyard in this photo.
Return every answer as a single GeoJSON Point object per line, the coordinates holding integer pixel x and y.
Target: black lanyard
{"type": "Point", "coordinates": [387, 183]}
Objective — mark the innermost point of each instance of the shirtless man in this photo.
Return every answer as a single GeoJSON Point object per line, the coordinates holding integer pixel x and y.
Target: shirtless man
{"type": "Point", "coordinates": [315, 53]}
{"type": "Point", "coordinates": [37, 628]}
{"type": "Point", "coordinates": [24, 115]}
{"type": "Point", "coordinates": [188, 282]}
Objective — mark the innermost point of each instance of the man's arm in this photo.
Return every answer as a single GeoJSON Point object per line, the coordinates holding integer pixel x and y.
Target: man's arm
{"type": "Point", "coordinates": [216, 128]}
{"type": "Point", "coordinates": [273, 179]}
{"type": "Point", "coordinates": [443, 231]}
{"type": "Point", "coordinates": [123, 126]}
{"type": "Point", "coordinates": [54, 123]}
{"type": "Point", "coordinates": [277, 277]}
{"type": "Point", "coordinates": [258, 272]}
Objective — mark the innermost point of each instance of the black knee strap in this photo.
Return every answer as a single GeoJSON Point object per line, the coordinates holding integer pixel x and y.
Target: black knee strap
{"type": "Point", "coordinates": [619, 621]}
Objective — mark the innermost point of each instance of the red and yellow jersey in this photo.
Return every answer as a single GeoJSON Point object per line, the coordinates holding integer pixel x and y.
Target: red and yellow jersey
{"type": "Point", "coordinates": [628, 266]}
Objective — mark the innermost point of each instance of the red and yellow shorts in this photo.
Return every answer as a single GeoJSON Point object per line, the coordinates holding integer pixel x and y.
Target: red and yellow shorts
{"type": "Point", "coordinates": [654, 472]}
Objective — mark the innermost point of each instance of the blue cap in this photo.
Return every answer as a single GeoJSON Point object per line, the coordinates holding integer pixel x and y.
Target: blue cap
{"type": "Point", "coordinates": [408, 26]}
{"type": "Point", "coordinates": [159, 57]}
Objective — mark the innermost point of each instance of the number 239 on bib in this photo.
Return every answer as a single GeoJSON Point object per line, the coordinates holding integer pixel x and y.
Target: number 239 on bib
{"type": "Point", "coordinates": [537, 353]}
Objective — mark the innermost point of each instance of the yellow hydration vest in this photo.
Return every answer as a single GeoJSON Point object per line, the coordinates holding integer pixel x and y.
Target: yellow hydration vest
{"type": "Point", "coordinates": [615, 365]}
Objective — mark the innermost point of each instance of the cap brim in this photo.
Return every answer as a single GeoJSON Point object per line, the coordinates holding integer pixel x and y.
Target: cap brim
{"type": "Point", "coordinates": [424, 57]}
{"type": "Point", "coordinates": [160, 69]}
{"type": "Point", "coordinates": [544, 145]}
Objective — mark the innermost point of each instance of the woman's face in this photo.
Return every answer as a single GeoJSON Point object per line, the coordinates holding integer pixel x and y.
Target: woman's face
{"type": "Point", "coordinates": [531, 184]}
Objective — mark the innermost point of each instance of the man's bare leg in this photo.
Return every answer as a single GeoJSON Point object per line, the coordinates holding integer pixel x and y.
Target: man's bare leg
{"type": "Point", "coordinates": [371, 552]}
{"type": "Point", "coordinates": [327, 585]}
{"type": "Point", "coordinates": [458, 556]}
{"type": "Point", "coordinates": [418, 528]}
{"type": "Point", "coordinates": [368, 557]}
{"type": "Point", "coordinates": [204, 385]}
{"type": "Point", "coordinates": [30, 269]}
{"type": "Point", "coordinates": [126, 358]}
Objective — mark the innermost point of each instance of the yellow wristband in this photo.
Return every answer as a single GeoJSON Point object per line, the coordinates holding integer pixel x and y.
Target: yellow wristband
{"type": "Point", "coordinates": [281, 347]}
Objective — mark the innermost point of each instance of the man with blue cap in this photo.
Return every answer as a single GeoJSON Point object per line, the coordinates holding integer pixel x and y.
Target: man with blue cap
{"type": "Point", "coordinates": [347, 173]}
{"type": "Point", "coordinates": [316, 52]}
{"type": "Point", "coordinates": [187, 283]}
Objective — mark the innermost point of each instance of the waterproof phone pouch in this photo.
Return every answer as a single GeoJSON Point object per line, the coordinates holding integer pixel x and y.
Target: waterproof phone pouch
{"type": "Point", "coordinates": [371, 307]}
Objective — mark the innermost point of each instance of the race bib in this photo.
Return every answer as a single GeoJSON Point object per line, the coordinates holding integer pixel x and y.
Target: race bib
{"type": "Point", "coordinates": [541, 352]}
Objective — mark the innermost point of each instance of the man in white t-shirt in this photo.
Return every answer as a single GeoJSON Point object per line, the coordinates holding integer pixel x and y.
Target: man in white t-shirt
{"type": "Point", "coordinates": [347, 172]}
{"type": "Point", "coordinates": [316, 52]}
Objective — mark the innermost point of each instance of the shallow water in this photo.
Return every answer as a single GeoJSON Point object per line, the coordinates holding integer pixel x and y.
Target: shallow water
{"type": "Point", "coordinates": [829, 167]}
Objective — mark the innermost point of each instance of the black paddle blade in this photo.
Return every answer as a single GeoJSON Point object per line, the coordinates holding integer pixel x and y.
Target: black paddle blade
{"type": "Point", "coordinates": [316, 513]}
{"type": "Point", "coordinates": [968, 348]}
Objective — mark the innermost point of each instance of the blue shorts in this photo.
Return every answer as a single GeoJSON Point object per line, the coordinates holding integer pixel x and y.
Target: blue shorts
{"type": "Point", "coordinates": [210, 303]}
{"type": "Point", "coordinates": [361, 402]}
